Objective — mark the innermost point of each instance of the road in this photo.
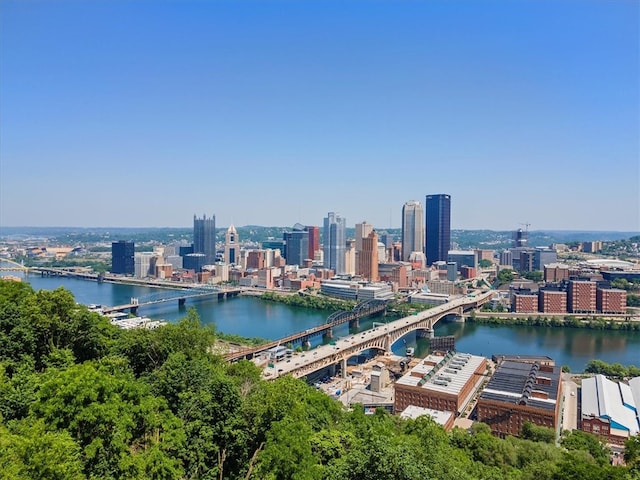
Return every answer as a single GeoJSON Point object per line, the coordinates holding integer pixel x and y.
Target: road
{"type": "Point", "coordinates": [570, 404]}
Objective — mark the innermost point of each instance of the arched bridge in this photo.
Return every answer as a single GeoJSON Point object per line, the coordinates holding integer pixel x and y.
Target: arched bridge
{"type": "Point", "coordinates": [364, 309]}
{"type": "Point", "coordinates": [7, 265]}
{"type": "Point", "coordinates": [380, 338]}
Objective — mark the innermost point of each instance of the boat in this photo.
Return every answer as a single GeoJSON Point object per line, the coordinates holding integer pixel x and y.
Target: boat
{"type": "Point", "coordinates": [409, 352]}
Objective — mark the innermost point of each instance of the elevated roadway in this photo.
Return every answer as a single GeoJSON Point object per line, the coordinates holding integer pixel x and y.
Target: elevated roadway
{"type": "Point", "coordinates": [380, 338]}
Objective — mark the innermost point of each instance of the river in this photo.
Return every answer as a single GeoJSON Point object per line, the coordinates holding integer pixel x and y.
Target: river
{"type": "Point", "coordinates": [251, 317]}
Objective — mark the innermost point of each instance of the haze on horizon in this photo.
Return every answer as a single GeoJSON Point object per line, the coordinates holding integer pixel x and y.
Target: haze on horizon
{"type": "Point", "coordinates": [140, 113]}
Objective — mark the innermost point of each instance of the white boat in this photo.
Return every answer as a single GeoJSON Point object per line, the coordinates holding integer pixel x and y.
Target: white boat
{"type": "Point", "coordinates": [409, 352]}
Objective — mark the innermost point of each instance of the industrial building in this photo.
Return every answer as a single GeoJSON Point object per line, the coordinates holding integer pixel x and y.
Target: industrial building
{"type": "Point", "coordinates": [518, 393]}
{"type": "Point", "coordinates": [610, 409]}
{"type": "Point", "coordinates": [441, 382]}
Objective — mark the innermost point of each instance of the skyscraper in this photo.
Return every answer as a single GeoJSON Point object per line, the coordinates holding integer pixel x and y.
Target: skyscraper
{"type": "Point", "coordinates": [314, 241]}
{"type": "Point", "coordinates": [122, 261]}
{"type": "Point", "coordinates": [297, 244]}
{"type": "Point", "coordinates": [231, 246]}
{"type": "Point", "coordinates": [362, 231]}
{"type": "Point", "coordinates": [204, 237]}
{"type": "Point", "coordinates": [368, 257]}
{"type": "Point", "coordinates": [334, 242]}
{"type": "Point", "coordinates": [412, 229]}
{"type": "Point", "coordinates": [438, 227]}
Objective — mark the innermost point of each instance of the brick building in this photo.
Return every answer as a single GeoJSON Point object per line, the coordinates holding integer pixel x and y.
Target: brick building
{"type": "Point", "coordinates": [556, 272]}
{"type": "Point", "coordinates": [441, 382]}
{"type": "Point", "coordinates": [524, 303]}
{"type": "Point", "coordinates": [552, 301]}
{"type": "Point", "coordinates": [581, 296]}
{"type": "Point", "coordinates": [519, 393]}
{"type": "Point", "coordinates": [611, 300]}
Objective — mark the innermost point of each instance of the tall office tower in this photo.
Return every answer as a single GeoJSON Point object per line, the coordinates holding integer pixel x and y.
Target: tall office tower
{"type": "Point", "coordinates": [438, 227]}
{"type": "Point", "coordinates": [204, 237]}
{"type": "Point", "coordinates": [362, 231]}
{"type": "Point", "coordinates": [412, 229]}
{"type": "Point", "coordinates": [520, 238]}
{"type": "Point", "coordinates": [368, 257]}
{"type": "Point", "coordinates": [231, 246]}
{"type": "Point", "coordinates": [334, 242]}
{"type": "Point", "coordinates": [122, 261]}
{"type": "Point", "coordinates": [314, 241]}
{"type": "Point", "coordinates": [297, 245]}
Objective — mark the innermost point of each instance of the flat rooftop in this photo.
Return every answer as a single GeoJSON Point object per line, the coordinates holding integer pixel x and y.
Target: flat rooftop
{"type": "Point", "coordinates": [447, 374]}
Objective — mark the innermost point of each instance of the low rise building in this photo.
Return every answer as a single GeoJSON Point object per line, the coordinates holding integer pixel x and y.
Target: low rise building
{"type": "Point", "coordinates": [441, 382]}
{"type": "Point", "coordinates": [518, 393]}
{"type": "Point", "coordinates": [610, 409]}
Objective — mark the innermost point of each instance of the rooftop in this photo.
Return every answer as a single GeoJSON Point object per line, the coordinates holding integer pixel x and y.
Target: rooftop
{"type": "Point", "coordinates": [448, 373]}
{"type": "Point", "coordinates": [524, 384]}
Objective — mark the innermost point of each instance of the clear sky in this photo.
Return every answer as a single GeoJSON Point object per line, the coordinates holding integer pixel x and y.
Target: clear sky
{"type": "Point", "coordinates": [142, 113]}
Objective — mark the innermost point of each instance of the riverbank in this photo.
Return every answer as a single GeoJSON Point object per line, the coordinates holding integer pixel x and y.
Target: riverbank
{"type": "Point", "coordinates": [566, 321]}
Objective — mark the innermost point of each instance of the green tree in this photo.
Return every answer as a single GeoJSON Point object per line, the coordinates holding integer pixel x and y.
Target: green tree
{"type": "Point", "coordinates": [484, 263]}
{"type": "Point", "coordinates": [30, 452]}
{"type": "Point", "coordinates": [113, 418]}
{"type": "Point", "coordinates": [585, 442]}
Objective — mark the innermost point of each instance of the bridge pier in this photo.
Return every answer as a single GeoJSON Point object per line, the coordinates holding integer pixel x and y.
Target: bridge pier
{"type": "Point", "coordinates": [134, 310]}
{"type": "Point", "coordinates": [343, 368]}
{"type": "Point", "coordinates": [425, 333]}
{"type": "Point", "coordinates": [328, 334]}
{"type": "Point", "coordinates": [181, 302]}
{"type": "Point", "coordinates": [306, 344]}
{"type": "Point", "coordinates": [354, 324]}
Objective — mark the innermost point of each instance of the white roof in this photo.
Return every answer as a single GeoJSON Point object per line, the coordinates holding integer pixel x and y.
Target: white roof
{"type": "Point", "coordinates": [602, 397]}
{"type": "Point", "coordinates": [439, 416]}
{"type": "Point", "coordinates": [450, 374]}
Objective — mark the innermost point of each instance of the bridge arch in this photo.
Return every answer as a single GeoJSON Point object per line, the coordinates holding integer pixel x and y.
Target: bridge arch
{"type": "Point", "coordinates": [14, 265]}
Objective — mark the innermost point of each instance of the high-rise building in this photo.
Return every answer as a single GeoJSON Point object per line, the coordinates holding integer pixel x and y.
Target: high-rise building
{"type": "Point", "coordinates": [231, 246]}
{"type": "Point", "coordinates": [412, 229]}
{"type": "Point", "coordinates": [362, 231]}
{"type": "Point", "coordinates": [204, 237]}
{"type": "Point", "coordinates": [122, 261]}
{"type": "Point", "coordinates": [314, 241]}
{"type": "Point", "coordinates": [334, 242]}
{"type": "Point", "coordinates": [438, 227]}
{"type": "Point", "coordinates": [297, 245]}
{"type": "Point", "coordinates": [368, 257]}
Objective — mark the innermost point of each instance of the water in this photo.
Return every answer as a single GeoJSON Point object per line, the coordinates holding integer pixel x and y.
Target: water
{"type": "Point", "coordinates": [251, 317]}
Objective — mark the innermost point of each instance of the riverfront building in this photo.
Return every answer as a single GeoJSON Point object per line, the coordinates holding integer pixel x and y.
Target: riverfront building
{"type": "Point", "coordinates": [412, 229]}
{"type": "Point", "coordinates": [438, 227]}
{"type": "Point", "coordinates": [552, 301]}
{"type": "Point", "coordinates": [518, 393]}
{"type": "Point", "coordinates": [441, 382]}
{"type": "Point", "coordinates": [581, 296]}
{"type": "Point", "coordinates": [204, 237]}
{"type": "Point", "coordinates": [122, 258]}
{"type": "Point", "coordinates": [611, 300]}
{"type": "Point", "coordinates": [357, 291]}
{"type": "Point", "coordinates": [610, 409]}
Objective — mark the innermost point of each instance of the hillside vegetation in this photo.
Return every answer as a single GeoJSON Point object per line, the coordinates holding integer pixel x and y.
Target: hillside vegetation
{"type": "Point", "coordinates": [80, 399]}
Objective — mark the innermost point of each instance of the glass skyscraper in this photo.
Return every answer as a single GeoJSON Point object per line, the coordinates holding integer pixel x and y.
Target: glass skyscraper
{"type": "Point", "coordinates": [122, 258]}
{"type": "Point", "coordinates": [412, 229]}
{"type": "Point", "coordinates": [438, 227]}
{"type": "Point", "coordinates": [334, 243]}
{"type": "Point", "coordinates": [204, 237]}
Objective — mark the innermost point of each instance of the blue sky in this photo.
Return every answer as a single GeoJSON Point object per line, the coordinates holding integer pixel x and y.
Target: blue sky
{"type": "Point", "coordinates": [142, 113]}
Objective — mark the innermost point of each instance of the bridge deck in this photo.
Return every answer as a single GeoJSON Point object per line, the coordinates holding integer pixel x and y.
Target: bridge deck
{"type": "Point", "coordinates": [381, 337]}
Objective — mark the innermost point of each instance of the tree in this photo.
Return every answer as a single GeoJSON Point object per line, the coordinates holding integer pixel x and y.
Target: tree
{"type": "Point", "coordinates": [30, 452]}
{"type": "Point", "coordinates": [579, 440]}
{"type": "Point", "coordinates": [537, 433]}
{"type": "Point", "coordinates": [505, 276]}
{"type": "Point", "coordinates": [113, 418]}
{"type": "Point", "coordinates": [484, 263]}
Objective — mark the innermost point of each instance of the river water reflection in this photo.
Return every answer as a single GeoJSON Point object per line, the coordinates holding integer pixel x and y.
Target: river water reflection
{"type": "Point", "coordinates": [251, 317]}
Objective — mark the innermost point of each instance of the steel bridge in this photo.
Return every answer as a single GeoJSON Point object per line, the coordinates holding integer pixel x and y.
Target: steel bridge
{"type": "Point", "coordinates": [382, 337]}
{"type": "Point", "coordinates": [170, 295]}
{"type": "Point", "coordinates": [364, 309]}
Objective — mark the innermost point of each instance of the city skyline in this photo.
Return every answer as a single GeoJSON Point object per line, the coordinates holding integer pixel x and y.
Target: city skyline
{"type": "Point", "coordinates": [524, 112]}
